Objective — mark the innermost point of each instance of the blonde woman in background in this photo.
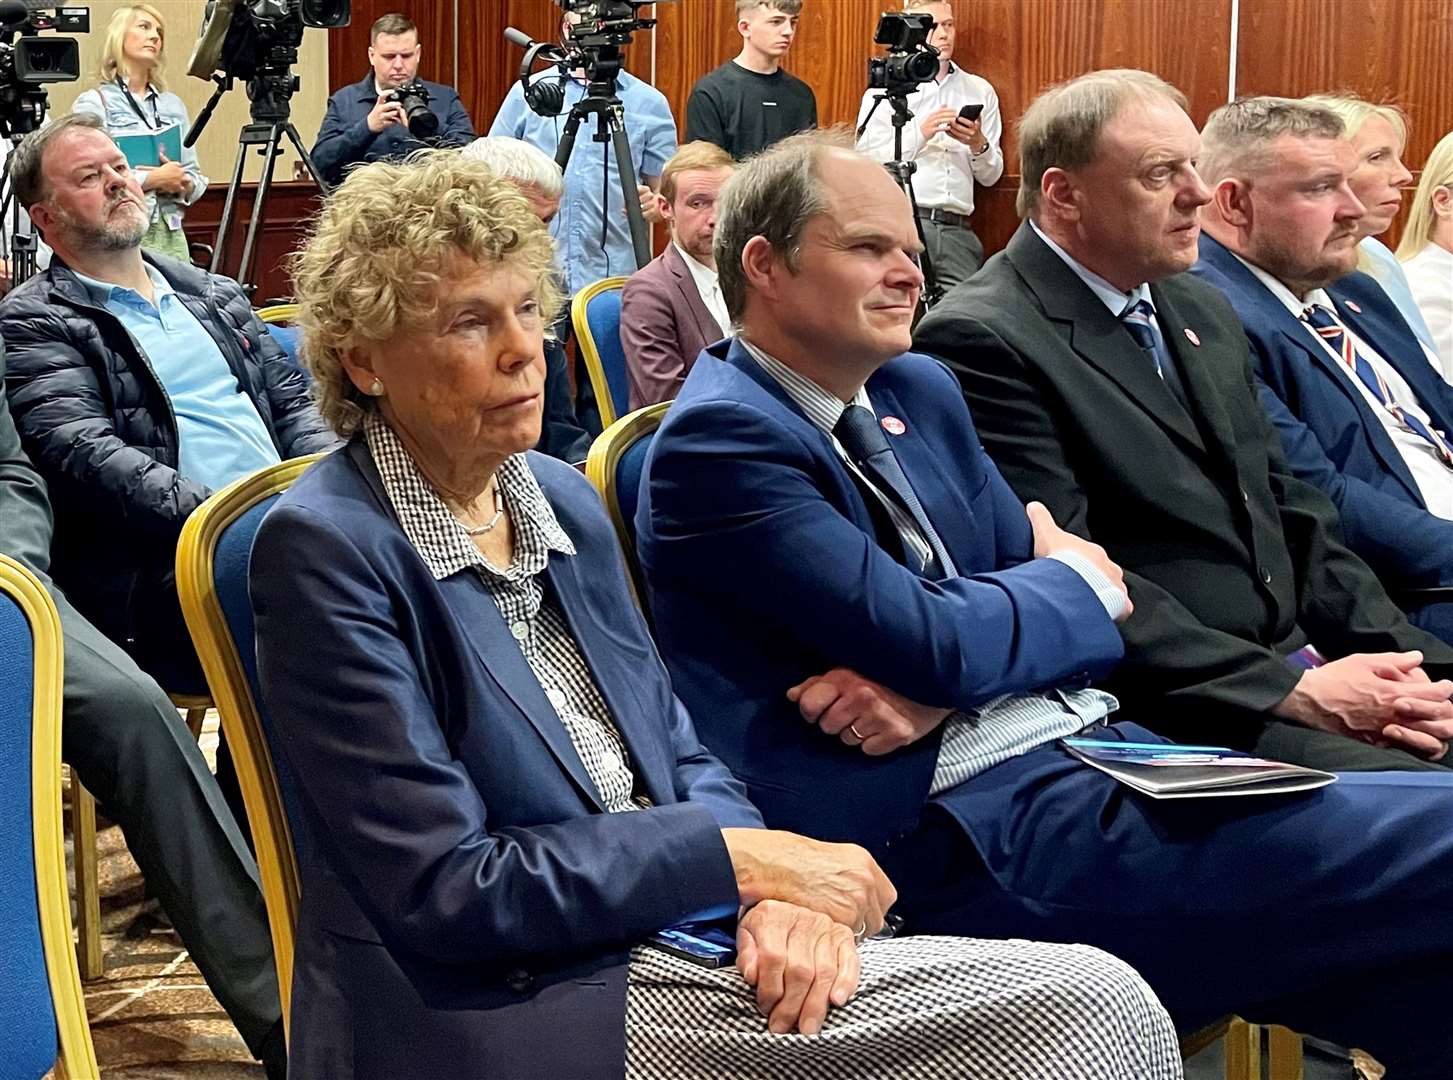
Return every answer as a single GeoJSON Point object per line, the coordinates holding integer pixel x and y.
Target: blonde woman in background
{"type": "Point", "coordinates": [1427, 248]}
{"type": "Point", "coordinates": [1379, 133]}
{"type": "Point", "coordinates": [132, 98]}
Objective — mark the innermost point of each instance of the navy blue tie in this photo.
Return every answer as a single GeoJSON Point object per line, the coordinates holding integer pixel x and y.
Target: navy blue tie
{"type": "Point", "coordinates": [858, 432]}
{"type": "Point", "coordinates": [1136, 319]}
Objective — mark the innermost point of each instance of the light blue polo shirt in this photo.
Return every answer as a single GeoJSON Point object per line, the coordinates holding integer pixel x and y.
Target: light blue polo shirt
{"type": "Point", "coordinates": [220, 435]}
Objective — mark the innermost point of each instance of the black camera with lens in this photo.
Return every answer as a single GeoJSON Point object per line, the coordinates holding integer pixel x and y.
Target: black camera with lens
{"type": "Point", "coordinates": [28, 62]}
{"type": "Point", "coordinates": [911, 59]}
{"type": "Point", "coordinates": [414, 98]}
{"type": "Point", "coordinates": [605, 22]}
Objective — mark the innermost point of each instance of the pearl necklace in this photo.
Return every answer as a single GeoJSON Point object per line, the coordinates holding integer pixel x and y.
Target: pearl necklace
{"type": "Point", "coordinates": [480, 530]}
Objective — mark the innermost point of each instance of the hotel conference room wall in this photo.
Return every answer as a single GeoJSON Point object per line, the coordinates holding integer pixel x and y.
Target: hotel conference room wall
{"type": "Point", "coordinates": [1401, 50]}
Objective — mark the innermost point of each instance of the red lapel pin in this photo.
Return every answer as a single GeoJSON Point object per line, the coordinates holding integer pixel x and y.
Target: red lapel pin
{"type": "Point", "coordinates": [1352, 306]}
{"type": "Point", "coordinates": [893, 426]}
{"type": "Point", "coordinates": [1191, 337]}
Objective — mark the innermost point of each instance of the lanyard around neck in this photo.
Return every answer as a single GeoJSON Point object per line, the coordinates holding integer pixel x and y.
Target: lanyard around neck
{"type": "Point", "coordinates": [153, 124]}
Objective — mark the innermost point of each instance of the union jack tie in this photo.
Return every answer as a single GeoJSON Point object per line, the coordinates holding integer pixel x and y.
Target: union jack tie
{"type": "Point", "coordinates": [1330, 330]}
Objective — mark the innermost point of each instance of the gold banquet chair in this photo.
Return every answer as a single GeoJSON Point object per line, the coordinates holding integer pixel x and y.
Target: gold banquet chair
{"type": "Point", "coordinates": [43, 1025]}
{"type": "Point", "coordinates": [596, 315]}
{"type": "Point", "coordinates": [615, 466]}
{"type": "Point", "coordinates": [212, 568]}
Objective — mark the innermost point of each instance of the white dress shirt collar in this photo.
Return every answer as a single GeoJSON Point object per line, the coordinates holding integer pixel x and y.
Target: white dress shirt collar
{"type": "Point", "coordinates": [1112, 296]}
{"type": "Point", "coordinates": [708, 286]}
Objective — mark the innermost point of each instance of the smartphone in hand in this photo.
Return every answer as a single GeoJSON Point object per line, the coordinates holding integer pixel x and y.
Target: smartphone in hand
{"type": "Point", "coordinates": [971, 112]}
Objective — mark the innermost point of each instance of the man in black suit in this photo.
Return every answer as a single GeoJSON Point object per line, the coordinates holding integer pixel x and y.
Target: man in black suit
{"type": "Point", "coordinates": [1116, 389]}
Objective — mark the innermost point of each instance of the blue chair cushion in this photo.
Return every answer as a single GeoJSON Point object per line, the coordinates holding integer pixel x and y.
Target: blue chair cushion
{"type": "Point", "coordinates": [230, 562]}
{"type": "Point", "coordinates": [603, 315]}
{"type": "Point", "coordinates": [27, 1017]}
{"type": "Point", "coordinates": [629, 468]}
{"type": "Point", "coordinates": [287, 337]}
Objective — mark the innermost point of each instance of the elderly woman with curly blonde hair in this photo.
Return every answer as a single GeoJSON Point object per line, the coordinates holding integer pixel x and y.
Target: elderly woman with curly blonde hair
{"type": "Point", "coordinates": [517, 859]}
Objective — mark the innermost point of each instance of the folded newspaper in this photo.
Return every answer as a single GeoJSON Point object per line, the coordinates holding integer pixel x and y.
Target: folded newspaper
{"type": "Point", "coordinates": [1170, 771]}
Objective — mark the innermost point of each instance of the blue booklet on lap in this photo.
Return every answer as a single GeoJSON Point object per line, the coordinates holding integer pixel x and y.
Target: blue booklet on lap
{"type": "Point", "coordinates": [144, 149]}
{"type": "Point", "coordinates": [1170, 771]}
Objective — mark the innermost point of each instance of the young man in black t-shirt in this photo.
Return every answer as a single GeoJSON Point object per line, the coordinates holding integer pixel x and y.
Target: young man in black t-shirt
{"type": "Point", "coordinates": [749, 102]}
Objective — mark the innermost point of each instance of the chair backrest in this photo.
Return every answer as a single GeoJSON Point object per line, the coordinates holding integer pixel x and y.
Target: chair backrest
{"type": "Point", "coordinates": [42, 1012]}
{"type": "Point", "coordinates": [212, 563]}
{"type": "Point", "coordinates": [280, 319]}
{"type": "Point", "coordinates": [596, 315]}
{"type": "Point", "coordinates": [615, 465]}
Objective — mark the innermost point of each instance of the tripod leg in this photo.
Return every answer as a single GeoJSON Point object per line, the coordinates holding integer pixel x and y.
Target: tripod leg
{"type": "Point", "coordinates": [249, 247]}
{"type": "Point", "coordinates": [307, 159]}
{"type": "Point", "coordinates": [567, 140]}
{"type": "Point", "coordinates": [640, 232]}
{"type": "Point", "coordinates": [932, 294]}
{"type": "Point", "coordinates": [229, 207]}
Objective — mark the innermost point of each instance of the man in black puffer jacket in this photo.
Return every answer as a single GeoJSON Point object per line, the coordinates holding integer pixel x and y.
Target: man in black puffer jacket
{"type": "Point", "coordinates": [139, 386]}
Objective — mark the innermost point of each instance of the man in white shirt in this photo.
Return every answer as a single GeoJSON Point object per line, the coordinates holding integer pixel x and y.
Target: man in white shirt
{"type": "Point", "coordinates": [1361, 412]}
{"type": "Point", "coordinates": [672, 307]}
{"type": "Point", "coordinates": [951, 151]}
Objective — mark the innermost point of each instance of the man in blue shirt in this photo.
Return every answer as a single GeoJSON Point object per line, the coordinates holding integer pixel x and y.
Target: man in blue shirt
{"type": "Point", "coordinates": [592, 234]}
{"type": "Point", "coordinates": [139, 385]}
{"type": "Point", "coordinates": [363, 123]}
{"type": "Point", "coordinates": [143, 384]}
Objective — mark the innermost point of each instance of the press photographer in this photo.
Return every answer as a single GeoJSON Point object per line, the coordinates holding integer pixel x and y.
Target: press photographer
{"type": "Point", "coordinates": [953, 142]}
{"type": "Point", "coordinates": [391, 111]}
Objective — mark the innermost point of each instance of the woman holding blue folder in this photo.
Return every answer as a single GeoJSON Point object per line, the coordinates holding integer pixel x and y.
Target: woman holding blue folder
{"type": "Point", "coordinates": [132, 100]}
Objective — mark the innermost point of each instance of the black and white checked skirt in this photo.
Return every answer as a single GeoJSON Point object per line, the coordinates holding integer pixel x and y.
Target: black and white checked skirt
{"type": "Point", "coordinates": [927, 1008]}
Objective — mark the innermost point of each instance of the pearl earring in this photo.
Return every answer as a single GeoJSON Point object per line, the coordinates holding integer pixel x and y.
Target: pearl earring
{"type": "Point", "coordinates": [375, 388]}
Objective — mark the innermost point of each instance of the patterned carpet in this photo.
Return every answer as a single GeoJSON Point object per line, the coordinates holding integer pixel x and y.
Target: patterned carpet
{"type": "Point", "coordinates": [152, 1017]}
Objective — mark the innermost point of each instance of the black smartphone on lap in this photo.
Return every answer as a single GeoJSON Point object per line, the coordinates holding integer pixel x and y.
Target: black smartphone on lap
{"type": "Point", "coordinates": [705, 944]}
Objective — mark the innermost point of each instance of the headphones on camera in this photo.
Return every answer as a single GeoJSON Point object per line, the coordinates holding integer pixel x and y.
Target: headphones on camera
{"type": "Point", "coordinates": [545, 96]}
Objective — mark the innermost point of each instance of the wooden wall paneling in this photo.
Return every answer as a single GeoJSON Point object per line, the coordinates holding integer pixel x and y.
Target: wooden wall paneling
{"type": "Point", "coordinates": [290, 207]}
{"type": "Point", "coordinates": [348, 45]}
{"type": "Point", "coordinates": [489, 65]}
{"type": "Point", "coordinates": [1024, 46]}
{"type": "Point", "coordinates": [1385, 50]}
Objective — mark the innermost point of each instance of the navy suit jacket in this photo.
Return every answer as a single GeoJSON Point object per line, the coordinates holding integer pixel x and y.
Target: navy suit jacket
{"type": "Point", "coordinates": [345, 139]}
{"type": "Point", "coordinates": [764, 568]}
{"type": "Point", "coordinates": [464, 897]}
{"type": "Point", "coordinates": [1331, 435]}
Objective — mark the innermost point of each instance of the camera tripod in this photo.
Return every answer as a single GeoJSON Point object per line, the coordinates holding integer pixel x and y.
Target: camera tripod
{"type": "Point", "coordinates": [23, 246]}
{"type": "Point", "coordinates": [902, 171]}
{"type": "Point", "coordinates": [270, 91]}
{"type": "Point", "coordinates": [600, 98]}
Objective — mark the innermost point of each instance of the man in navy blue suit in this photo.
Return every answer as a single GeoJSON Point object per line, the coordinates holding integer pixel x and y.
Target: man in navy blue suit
{"type": "Point", "coordinates": [365, 121]}
{"type": "Point", "coordinates": [883, 645]}
{"type": "Point", "coordinates": [1360, 408]}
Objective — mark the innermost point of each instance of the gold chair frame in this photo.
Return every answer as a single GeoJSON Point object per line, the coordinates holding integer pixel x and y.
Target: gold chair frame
{"type": "Point", "coordinates": [276, 861]}
{"type": "Point", "coordinates": [278, 313]}
{"type": "Point", "coordinates": [76, 1053]}
{"type": "Point", "coordinates": [600, 469]}
{"type": "Point", "coordinates": [589, 351]}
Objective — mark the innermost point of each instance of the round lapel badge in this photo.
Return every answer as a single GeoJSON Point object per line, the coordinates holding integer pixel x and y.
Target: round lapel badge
{"type": "Point", "coordinates": [1191, 337]}
{"type": "Point", "coordinates": [893, 426]}
{"type": "Point", "coordinates": [1352, 306]}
